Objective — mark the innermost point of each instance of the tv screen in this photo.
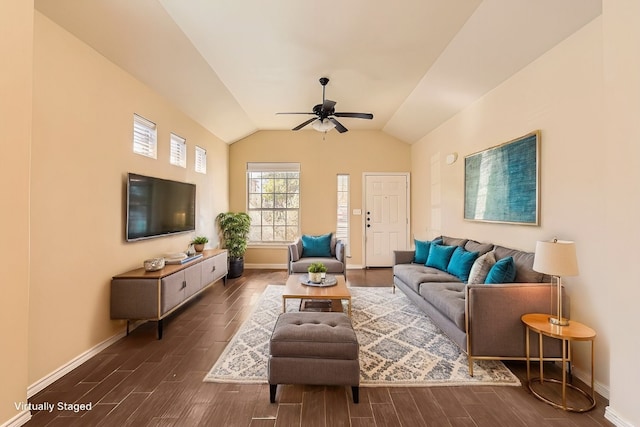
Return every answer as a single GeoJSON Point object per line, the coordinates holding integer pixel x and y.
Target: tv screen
{"type": "Point", "coordinates": [159, 207]}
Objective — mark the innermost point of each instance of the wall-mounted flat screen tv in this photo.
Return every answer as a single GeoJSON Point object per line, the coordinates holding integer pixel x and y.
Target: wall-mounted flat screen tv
{"type": "Point", "coordinates": [159, 207]}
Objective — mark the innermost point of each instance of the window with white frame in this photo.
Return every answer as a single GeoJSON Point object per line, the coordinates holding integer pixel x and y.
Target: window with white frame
{"type": "Point", "coordinates": [273, 202]}
{"type": "Point", "coordinates": [201, 160]}
{"type": "Point", "coordinates": [342, 227]}
{"type": "Point", "coordinates": [178, 153]}
{"type": "Point", "coordinates": [144, 137]}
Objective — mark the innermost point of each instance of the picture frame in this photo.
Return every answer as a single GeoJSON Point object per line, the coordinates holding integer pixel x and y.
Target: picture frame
{"type": "Point", "coordinates": [502, 183]}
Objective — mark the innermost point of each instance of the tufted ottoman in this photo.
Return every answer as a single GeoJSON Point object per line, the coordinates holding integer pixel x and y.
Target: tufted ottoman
{"type": "Point", "coordinates": [313, 348]}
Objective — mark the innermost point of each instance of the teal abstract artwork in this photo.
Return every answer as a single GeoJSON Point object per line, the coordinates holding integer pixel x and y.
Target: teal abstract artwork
{"type": "Point", "coordinates": [501, 183]}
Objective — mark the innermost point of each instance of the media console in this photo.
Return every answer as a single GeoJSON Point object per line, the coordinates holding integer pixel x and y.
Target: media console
{"type": "Point", "coordinates": [153, 295]}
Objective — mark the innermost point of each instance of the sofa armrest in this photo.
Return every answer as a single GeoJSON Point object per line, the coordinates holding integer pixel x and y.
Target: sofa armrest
{"type": "Point", "coordinates": [292, 252]}
{"type": "Point", "coordinates": [340, 251]}
{"type": "Point", "coordinates": [403, 257]}
{"type": "Point", "coordinates": [493, 316]}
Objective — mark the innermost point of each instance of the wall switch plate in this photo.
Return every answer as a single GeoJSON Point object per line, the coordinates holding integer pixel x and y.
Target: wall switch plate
{"type": "Point", "coordinates": [357, 211]}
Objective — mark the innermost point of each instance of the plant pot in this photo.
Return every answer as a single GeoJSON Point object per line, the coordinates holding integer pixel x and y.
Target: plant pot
{"type": "Point", "coordinates": [236, 267]}
{"type": "Point", "coordinates": [315, 277]}
{"type": "Point", "coordinates": [199, 247]}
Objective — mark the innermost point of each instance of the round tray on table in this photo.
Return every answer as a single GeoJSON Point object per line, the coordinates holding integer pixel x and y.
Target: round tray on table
{"type": "Point", "coordinates": [329, 280]}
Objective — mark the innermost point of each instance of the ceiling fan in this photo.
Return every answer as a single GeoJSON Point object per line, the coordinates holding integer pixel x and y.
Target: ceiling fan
{"type": "Point", "coordinates": [325, 114]}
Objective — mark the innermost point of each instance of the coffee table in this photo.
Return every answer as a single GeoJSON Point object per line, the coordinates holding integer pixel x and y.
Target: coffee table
{"type": "Point", "coordinates": [295, 289]}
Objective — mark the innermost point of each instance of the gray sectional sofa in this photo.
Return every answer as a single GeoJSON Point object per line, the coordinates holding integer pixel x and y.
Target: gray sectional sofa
{"type": "Point", "coordinates": [482, 319]}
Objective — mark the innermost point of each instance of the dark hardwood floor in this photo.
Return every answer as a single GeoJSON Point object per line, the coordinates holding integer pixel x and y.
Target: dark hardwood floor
{"type": "Point", "coordinates": [142, 381]}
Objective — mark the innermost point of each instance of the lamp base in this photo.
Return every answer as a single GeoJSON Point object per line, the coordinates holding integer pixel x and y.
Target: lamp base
{"type": "Point", "coordinates": [559, 321]}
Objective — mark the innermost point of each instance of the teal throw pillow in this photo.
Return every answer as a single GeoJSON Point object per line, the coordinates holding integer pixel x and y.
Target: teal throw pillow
{"type": "Point", "coordinates": [439, 256]}
{"type": "Point", "coordinates": [316, 246]}
{"type": "Point", "coordinates": [422, 249]}
{"type": "Point", "coordinates": [461, 262]}
{"type": "Point", "coordinates": [503, 271]}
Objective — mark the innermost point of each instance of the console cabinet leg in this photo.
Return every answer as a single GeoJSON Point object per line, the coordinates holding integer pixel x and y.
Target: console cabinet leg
{"type": "Point", "coordinates": [160, 329]}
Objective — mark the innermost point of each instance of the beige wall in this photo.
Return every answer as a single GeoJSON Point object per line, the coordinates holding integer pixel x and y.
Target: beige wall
{"type": "Point", "coordinates": [16, 50]}
{"type": "Point", "coordinates": [619, 250]}
{"type": "Point", "coordinates": [82, 150]}
{"type": "Point", "coordinates": [321, 158]}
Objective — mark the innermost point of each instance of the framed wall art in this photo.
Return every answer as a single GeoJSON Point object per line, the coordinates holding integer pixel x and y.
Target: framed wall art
{"type": "Point", "coordinates": [501, 184]}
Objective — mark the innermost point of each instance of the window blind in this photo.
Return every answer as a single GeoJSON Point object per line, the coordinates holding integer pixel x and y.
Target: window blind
{"type": "Point", "coordinates": [144, 137]}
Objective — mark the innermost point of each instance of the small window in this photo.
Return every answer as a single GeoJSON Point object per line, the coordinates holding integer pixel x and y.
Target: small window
{"type": "Point", "coordinates": [342, 227]}
{"type": "Point", "coordinates": [144, 137]}
{"type": "Point", "coordinates": [178, 154]}
{"type": "Point", "coordinates": [201, 160]}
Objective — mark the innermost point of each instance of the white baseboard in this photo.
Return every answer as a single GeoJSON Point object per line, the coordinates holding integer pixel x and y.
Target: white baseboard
{"type": "Point", "coordinates": [21, 419]}
{"type": "Point", "coordinates": [49, 379]}
{"type": "Point", "coordinates": [265, 266]}
{"type": "Point", "coordinates": [612, 416]}
{"type": "Point", "coordinates": [585, 377]}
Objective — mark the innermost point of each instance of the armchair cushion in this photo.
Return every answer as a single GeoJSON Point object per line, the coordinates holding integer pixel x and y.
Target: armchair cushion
{"type": "Point", "coordinates": [316, 246]}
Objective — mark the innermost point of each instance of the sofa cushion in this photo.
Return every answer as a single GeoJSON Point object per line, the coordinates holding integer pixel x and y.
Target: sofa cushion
{"type": "Point", "coordinates": [461, 262]}
{"type": "Point", "coordinates": [439, 256]}
{"type": "Point", "coordinates": [316, 246]}
{"type": "Point", "coordinates": [333, 265]}
{"type": "Point", "coordinates": [453, 241]}
{"type": "Point", "coordinates": [503, 271]}
{"type": "Point", "coordinates": [524, 265]}
{"type": "Point", "coordinates": [481, 268]}
{"type": "Point", "coordinates": [415, 274]}
{"type": "Point", "coordinates": [481, 248]}
{"type": "Point", "coordinates": [448, 298]}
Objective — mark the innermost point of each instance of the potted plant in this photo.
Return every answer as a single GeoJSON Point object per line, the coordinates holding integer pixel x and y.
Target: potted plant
{"type": "Point", "coordinates": [317, 271]}
{"type": "Point", "coordinates": [235, 231]}
{"type": "Point", "coordinates": [198, 243]}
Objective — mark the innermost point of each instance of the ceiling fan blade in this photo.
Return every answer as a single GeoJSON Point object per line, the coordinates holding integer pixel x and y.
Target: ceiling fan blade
{"type": "Point", "coordinates": [303, 124]}
{"type": "Point", "coordinates": [296, 113]}
{"type": "Point", "coordinates": [327, 106]}
{"type": "Point", "coordinates": [355, 115]}
{"type": "Point", "coordinates": [339, 126]}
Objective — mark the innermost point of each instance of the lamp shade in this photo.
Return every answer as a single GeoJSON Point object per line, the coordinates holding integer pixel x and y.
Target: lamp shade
{"type": "Point", "coordinates": [323, 125]}
{"type": "Point", "coordinates": [556, 258]}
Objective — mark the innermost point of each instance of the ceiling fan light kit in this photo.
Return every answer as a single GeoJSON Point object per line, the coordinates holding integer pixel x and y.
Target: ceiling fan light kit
{"type": "Point", "coordinates": [326, 114]}
{"type": "Point", "coordinates": [323, 125]}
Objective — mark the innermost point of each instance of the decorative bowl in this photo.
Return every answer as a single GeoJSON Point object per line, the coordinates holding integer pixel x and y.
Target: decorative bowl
{"type": "Point", "coordinates": [154, 264]}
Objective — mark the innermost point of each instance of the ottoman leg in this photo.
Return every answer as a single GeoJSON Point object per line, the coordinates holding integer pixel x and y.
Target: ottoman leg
{"type": "Point", "coordinates": [272, 392]}
{"type": "Point", "coordinates": [355, 390]}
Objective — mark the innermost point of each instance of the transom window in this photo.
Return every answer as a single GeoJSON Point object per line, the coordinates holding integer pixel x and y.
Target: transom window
{"type": "Point", "coordinates": [178, 154]}
{"type": "Point", "coordinates": [201, 160]}
{"type": "Point", "coordinates": [144, 137]}
{"type": "Point", "coordinates": [273, 200]}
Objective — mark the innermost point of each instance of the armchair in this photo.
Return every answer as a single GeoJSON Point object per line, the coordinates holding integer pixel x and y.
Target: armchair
{"type": "Point", "coordinates": [309, 249]}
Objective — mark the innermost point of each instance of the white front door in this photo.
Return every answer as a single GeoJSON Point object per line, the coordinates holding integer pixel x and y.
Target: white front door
{"type": "Point", "coordinates": [386, 217]}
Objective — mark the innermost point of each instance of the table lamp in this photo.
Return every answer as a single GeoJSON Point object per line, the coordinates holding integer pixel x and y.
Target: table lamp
{"type": "Point", "coordinates": [556, 258]}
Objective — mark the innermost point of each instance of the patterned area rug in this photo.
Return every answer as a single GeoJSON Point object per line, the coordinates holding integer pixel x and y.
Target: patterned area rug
{"type": "Point", "coordinates": [399, 345]}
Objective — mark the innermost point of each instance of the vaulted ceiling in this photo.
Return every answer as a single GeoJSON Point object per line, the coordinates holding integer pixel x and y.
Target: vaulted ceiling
{"type": "Point", "coordinates": [232, 64]}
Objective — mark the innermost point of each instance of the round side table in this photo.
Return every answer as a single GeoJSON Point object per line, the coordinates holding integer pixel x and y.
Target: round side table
{"type": "Point", "coordinates": [574, 331]}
